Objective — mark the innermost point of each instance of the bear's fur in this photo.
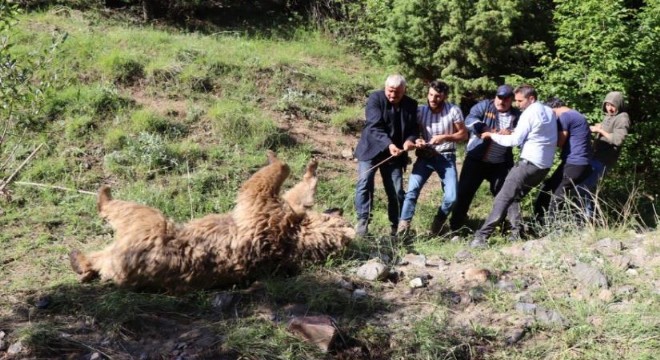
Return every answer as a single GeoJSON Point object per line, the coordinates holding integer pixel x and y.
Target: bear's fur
{"type": "Point", "coordinates": [263, 230]}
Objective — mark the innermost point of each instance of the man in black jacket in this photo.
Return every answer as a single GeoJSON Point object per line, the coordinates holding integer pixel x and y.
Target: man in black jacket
{"type": "Point", "coordinates": [390, 131]}
{"type": "Point", "coordinates": [484, 159]}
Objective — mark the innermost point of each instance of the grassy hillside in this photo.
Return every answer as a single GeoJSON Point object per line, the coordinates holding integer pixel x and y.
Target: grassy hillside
{"type": "Point", "coordinates": [178, 121]}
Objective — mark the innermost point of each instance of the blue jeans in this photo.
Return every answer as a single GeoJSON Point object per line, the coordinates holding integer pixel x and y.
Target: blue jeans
{"type": "Point", "coordinates": [445, 166]}
{"type": "Point", "coordinates": [392, 174]}
{"type": "Point", "coordinates": [587, 188]}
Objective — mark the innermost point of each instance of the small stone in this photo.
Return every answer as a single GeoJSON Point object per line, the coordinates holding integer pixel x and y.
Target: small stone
{"type": "Point", "coordinates": [506, 285]}
{"type": "Point", "coordinates": [550, 317]}
{"type": "Point", "coordinates": [621, 262]}
{"type": "Point", "coordinates": [589, 276]}
{"type": "Point", "coordinates": [2, 334]}
{"type": "Point", "coordinates": [632, 272]}
{"type": "Point", "coordinates": [15, 348]}
{"type": "Point", "coordinates": [526, 308]}
{"type": "Point", "coordinates": [95, 356]}
{"type": "Point", "coordinates": [373, 270]}
{"type": "Point", "coordinates": [359, 294]}
{"type": "Point", "coordinates": [476, 274]}
{"type": "Point", "coordinates": [417, 282]}
{"type": "Point", "coordinates": [625, 290]}
{"type": "Point", "coordinates": [222, 301]}
{"type": "Point", "coordinates": [318, 330]}
{"type": "Point", "coordinates": [476, 293]}
{"type": "Point", "coordinates": [463, 255]}
{"type": "Point", "coordinates": [3, 345]}
{"type": "Point", "coordinates": [606, 295]}
{"type": "Point", "coordinates": [608, 247]}
{"type": "Point", "coordinates": [514, 336]}
{"type": "Point", "coordinates": [415, 260]}
{"type": "Point", "coordinates": [524, 297]}
{"type": "Point", "coordinates": [346, 285]}
{"type": "Point", "coordinates": [455, 239]}
{"type": "Point", "coordinates": [347, 153]}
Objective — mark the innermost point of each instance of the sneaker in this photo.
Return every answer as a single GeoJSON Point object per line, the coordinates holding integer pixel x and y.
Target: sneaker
{"type": "Point", "coordinates": [438, 222]}
{"type": "Point", "coordinates": [479, 242]}
{"type": "Point", "coordinates": [362, 227]}
{"type": "Point", "coordinates": [404, 226]}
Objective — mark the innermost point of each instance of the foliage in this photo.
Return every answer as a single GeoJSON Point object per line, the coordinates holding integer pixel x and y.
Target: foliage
{"type": "Point", "coordinates": [603, 46]}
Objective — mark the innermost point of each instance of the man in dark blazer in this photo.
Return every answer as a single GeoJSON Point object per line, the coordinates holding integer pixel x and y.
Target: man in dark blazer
{"type": "Point", "coordinates": [390, 131]}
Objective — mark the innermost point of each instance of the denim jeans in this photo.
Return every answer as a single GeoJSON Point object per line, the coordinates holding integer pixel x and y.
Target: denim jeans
{"type": "Point", "coordinates": [392, 174]}
{"type": "Point", "coordinates": [445, 166]}
{"type": "Point", "coordinates": [520, 181]}
{"type": "Point", "coordinates": [587, 188]}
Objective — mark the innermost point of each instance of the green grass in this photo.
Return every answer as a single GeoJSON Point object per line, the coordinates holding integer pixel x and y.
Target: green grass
{"type": "Point", "coordinates": [179, 121]}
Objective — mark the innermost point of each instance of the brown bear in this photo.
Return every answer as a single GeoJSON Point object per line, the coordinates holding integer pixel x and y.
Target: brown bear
{"type": "Point", "coordinates": [264, 229]}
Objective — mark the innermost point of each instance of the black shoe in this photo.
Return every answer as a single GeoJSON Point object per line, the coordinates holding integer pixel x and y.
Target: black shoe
{"type": "Point", "coordinates": [438, 222]}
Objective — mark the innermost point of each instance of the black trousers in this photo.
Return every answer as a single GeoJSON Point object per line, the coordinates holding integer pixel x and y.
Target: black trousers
{"type": "Point", "coordinates": [559, 186]}
{"type": "Point", "coordinates": [520, 181]}
{"type": "Point", "coordinates": [473, 173]}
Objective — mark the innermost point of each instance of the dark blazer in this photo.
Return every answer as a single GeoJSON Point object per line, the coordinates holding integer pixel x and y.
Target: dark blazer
{"type": "Point", "coordinates": [378, 129]}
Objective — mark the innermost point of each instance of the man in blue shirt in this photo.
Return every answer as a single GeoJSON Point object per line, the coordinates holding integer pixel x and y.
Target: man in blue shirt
{"type": "Point", "coordinates": [536, 132]}
{"type": "Point", "coordinates": [575, 141]}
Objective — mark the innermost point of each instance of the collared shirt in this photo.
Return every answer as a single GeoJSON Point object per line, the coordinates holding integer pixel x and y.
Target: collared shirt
{"type": "Point", "coordinates": [496, 153]}
{"type": "Point", "coordinates": [536, 132]}
{"type": "Point", "coordinates": [441, 123]}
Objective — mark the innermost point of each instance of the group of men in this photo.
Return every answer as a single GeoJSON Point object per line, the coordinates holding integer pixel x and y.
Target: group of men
{"type": "Point", "coordinates": [395, 125]}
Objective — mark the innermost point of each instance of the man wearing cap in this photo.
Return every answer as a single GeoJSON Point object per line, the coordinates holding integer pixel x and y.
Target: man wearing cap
{"type": "Point", "coordinates": [536, 132]}
{"type": "Point", "coordinates": [485, 159]}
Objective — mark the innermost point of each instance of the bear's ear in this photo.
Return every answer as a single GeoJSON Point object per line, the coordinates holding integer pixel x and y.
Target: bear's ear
{"type": "Point", "coordinates": [334, 211]}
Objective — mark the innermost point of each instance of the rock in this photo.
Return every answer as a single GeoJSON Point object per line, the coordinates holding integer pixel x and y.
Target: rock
{"type": "Point", "coordinates": [632, 272]}
{"type": "Point", "coordinates": [476, 293]}
{"type": "Point", "coordinates": [589, 276]}
{"type": "Point", "coordinates": [514, 336]}
{"type": "Point", "coordinates": [606, 295]}
{"type": "Point", "coordinates": [414, 260]}
{"type": "Point", "coordinates": [345, 284]}
{"type": "Point", "coordinates": [418, 282]}
{"type": "Point", "coordinates": [506, 285]}
{"type": "Point", "coordinates": [608, 247]}
{"type": "Point", "coordinates": [318, 330]}
{"type": "Point", "coordinates": [526, 308]}
{"type": "Point", "coordinates": [2, 334]}
{"type": "Point", "coordinates": [222, 301]}
{"type": "Point", "coordinates": [463, 255]}
{"type": "Point", "coordinates": [359, 294]}
{"type": "Point", "coordinates": [625, 290]}
{"type": "Point", "coordinates": [621, 262]}
{"type": "Point", "coordinates": [452, 296]}
{"type": "Point", "coordinates": [455, 239]}
{"type": "Point", "coordinates": [3, 345]}
{"type": "Point", "coordinates": [638, 256]}
{"type": "Point", "coordinates": [524, 297]}
{"type": "Point", "coordinates": [347, 154]}
{"type": "Point", "coordinates": [550, 317]}
{"type": "Point", "coordinates": [373, 270]}
{"type": "Point", "coordinates": [95, 356]}
{"type": "Point", "coordinates": [476, 274]}
{"type": "Point", "coordinates": [15, 348]}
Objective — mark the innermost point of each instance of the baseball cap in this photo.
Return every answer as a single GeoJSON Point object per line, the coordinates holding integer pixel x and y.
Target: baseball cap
{"type": "Point", "coordinates": [504, 91]}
